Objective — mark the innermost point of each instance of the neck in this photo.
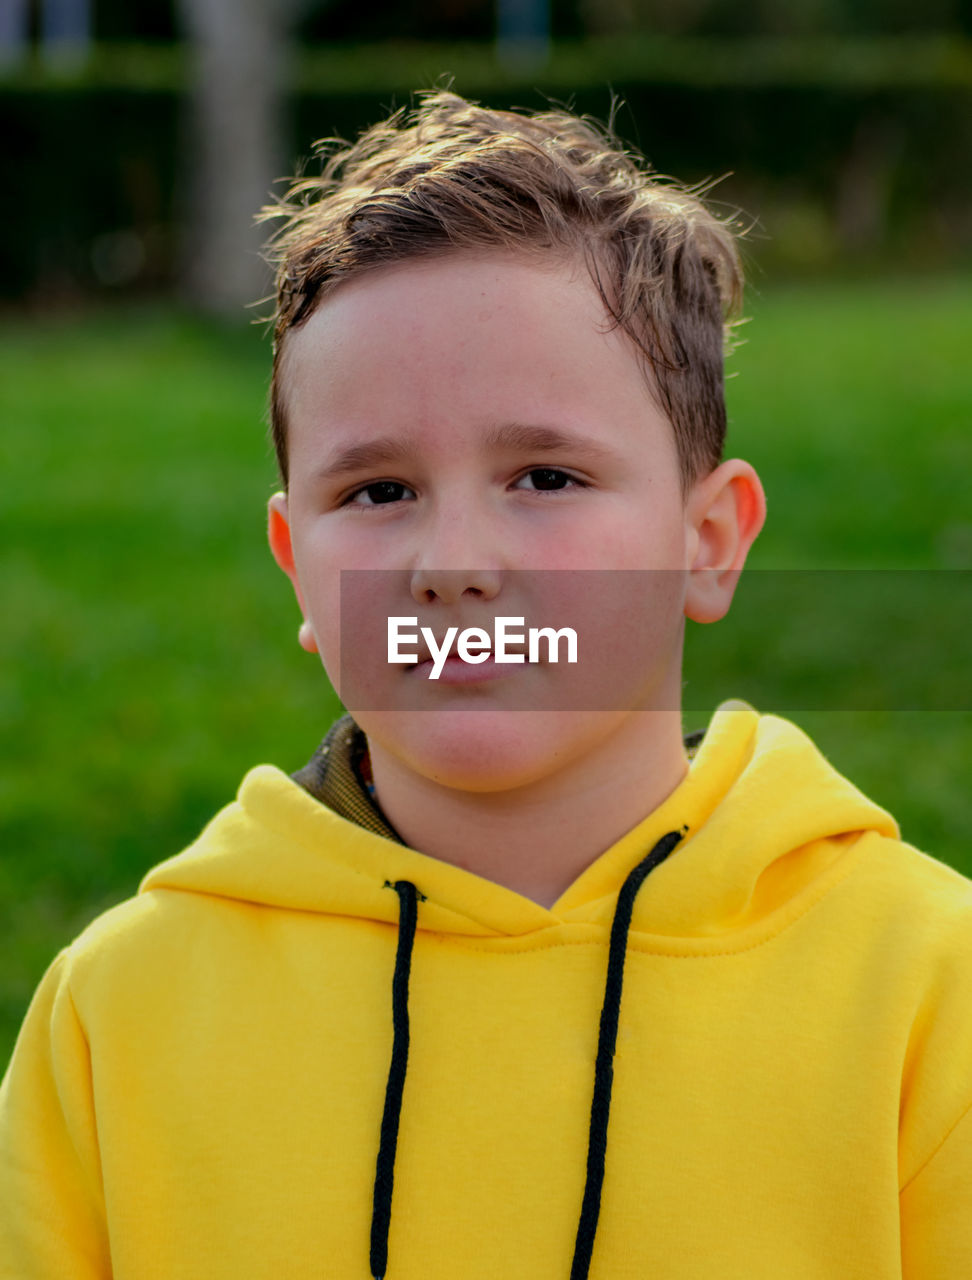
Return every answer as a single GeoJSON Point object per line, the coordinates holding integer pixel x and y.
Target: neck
{"type": "Point", "coordinates": [537, 839]}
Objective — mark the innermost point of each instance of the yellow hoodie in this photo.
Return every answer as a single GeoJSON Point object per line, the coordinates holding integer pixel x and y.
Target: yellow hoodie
{"type": "Point", "coordinates": [784, 1037]}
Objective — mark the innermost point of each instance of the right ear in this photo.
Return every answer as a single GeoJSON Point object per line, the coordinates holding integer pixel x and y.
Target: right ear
{"type": "Point", "coordinates": [281, 544]}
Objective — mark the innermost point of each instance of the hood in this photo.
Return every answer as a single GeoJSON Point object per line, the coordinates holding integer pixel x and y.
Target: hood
{"type": "Point", "coordinates": [765, 817]}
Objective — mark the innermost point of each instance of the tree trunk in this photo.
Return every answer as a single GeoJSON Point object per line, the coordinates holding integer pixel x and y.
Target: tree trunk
{"type": "Point", "coordinates": [240, 59]}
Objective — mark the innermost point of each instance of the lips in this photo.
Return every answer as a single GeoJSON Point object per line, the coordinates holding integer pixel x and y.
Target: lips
{"type": "Point", "coordinates": [426, 658]}
{"type": "Point", "coordinates": [457, 671]}
{"type": "Point", "coordinates": [428, 642]}
{"type": "Point", "coordinates": [425, 652]}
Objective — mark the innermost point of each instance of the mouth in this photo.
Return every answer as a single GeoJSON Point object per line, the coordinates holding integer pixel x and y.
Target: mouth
{"type": "Point", "coordinates": [456, 671]}
{"type": "Point", "coordinates": [515, 655]}
{"type": "Point", "coordinates": [465, 654]}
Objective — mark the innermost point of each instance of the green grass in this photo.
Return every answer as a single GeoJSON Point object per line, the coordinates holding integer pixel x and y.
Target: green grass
{"type": "Point", "coordinates": [148, 650]}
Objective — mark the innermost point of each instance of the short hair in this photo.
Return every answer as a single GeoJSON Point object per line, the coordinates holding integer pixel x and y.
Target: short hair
{"type": "Point", "coordinates": [450, 175]}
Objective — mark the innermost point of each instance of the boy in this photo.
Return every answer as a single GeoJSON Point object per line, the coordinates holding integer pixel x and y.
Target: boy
{"type": "Point", "coordinates": [504, 984]}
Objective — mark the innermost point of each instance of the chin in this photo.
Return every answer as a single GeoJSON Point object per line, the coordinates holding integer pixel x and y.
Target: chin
{"type": "Point", "coordinates": [489, 751]}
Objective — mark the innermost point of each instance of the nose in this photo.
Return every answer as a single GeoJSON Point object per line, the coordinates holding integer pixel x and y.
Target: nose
{"type": "Point", "coordinates": [458, 558]}
{"type": "Point", "coordinates": [452, 585]}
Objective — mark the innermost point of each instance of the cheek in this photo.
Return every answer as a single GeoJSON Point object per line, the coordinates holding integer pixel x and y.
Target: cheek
{"type": "Point", "coordinates": [643, 535]}
{"type": "Point", "coordinates": [319, 577]}
{"type": "Point", "coordinates": [323, 611]}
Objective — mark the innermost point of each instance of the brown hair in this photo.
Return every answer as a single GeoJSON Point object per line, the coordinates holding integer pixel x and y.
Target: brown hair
{"type": "Point", "coordinates": [450, 175]}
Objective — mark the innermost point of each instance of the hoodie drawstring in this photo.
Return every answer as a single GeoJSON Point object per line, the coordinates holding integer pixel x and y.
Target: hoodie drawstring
{"type": "Point", "coordinates": [606, 1041]}
{"type": "Point", "coordinates": [408, 897]}
{"type": "Point", "coordinates": [385, 1171]}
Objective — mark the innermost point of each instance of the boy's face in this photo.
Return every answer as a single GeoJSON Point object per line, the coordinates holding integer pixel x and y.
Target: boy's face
{"type": "Point", "coordinates": [453, 420]}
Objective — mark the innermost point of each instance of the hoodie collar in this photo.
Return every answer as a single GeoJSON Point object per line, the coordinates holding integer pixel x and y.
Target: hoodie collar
{"type": "Point", "coordinates": [761, 806]}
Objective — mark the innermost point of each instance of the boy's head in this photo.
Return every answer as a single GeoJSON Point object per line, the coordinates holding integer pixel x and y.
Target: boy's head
{"type": "Point", "coordinates": [499, 347]}
{"type": "Point", "coordinates": [453, 176]}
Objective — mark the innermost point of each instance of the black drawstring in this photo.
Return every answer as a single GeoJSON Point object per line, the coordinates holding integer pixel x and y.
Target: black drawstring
{"type": "Point", "coordinates": [607, 1039]}
{"type": "Point", "coordinates": [385, 1172]}
{"type": "Point", "coordinates": [408, 897]}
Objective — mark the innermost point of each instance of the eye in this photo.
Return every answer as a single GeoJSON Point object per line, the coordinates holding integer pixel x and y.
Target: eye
{"type": "Point", "coordinates": [378, 494]}
{"type": "Point", "coordinates": [549, 479]}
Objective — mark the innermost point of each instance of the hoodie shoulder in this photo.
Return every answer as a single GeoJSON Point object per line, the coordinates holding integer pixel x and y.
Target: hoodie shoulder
{"type": "Point", "coordinates": [927, 910]}
{"type": "Point", "coordinates": [933, 882]}
{"type": "Point", "coordinates": [933, 899]}
{"type": "Point", "coordinates": [128, 934]}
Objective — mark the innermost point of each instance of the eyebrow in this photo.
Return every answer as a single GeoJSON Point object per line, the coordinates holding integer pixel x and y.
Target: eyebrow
{"type": "Point", "coordinates": [511, 437]}
{"type": "Point", "coordinates": [370, 453]}
{"type": "Point", "coordinates": [527, 438]}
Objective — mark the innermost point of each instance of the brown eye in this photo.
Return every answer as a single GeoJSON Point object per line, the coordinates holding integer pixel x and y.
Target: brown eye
{"type": "Point", "coordinates": [549, 479]}
{"type": "Point", "coordinates": [380, 493]}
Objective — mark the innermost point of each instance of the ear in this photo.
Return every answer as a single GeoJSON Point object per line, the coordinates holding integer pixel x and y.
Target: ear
{"type": "Point", "coordinates": [278, 535]}
{"type": "Point", "coordinates": [725, 511]}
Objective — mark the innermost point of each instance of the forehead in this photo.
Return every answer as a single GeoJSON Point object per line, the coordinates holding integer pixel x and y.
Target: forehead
{"type": "Point", "coordinates": [451, 339]}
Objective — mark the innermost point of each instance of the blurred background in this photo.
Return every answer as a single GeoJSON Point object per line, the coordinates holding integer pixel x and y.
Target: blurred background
{"type": "Point", "coordinates": [148, 650]}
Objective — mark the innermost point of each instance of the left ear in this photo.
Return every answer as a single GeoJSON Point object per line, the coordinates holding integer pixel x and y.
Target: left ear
{"type": "Point", "coordinates": [278, 534]}
{"type": "Point", "coordinates": [724, 512]}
